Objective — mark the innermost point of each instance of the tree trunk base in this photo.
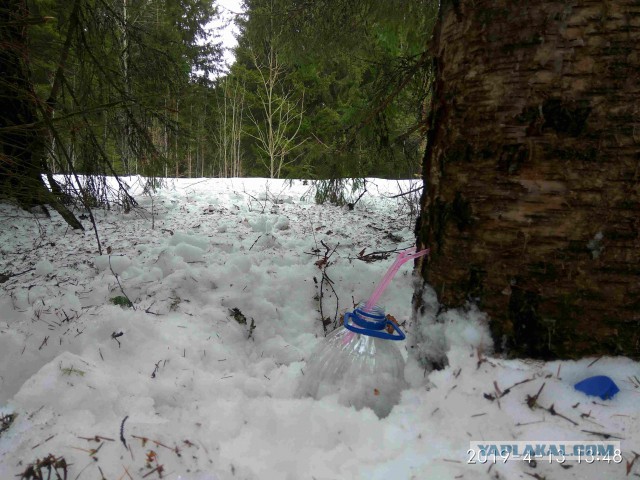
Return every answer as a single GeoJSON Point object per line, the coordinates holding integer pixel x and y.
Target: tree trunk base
{"type": "Point", "coordinates": [532, 193]}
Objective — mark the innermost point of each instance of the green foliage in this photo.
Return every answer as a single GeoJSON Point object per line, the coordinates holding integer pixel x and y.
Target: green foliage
{"type": "Point", "coordinates": [124, 87]}
{"type": "Point", "coordinates": [239, 317]}
{"type": "Point", "coordinates": [338, 191]}
{"type": "Point", "coordinates": [118, 75]}
{"type": "Point", "coordinates": [364, 75]}
{"type": "Point", "coordinates": [121, 301]}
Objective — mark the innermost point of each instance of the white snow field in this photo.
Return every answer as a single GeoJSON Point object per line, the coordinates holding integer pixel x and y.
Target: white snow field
{"type": "Point", "coordinates": [197, 394]}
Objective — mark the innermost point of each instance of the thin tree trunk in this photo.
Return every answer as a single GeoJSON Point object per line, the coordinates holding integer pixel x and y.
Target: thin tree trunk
{"type": "Point", "coordinates": [177, 131]}
{"type": "Point", "coordinates": [532, 172]}
{"type": "Point", "coordinates": [126, 131]}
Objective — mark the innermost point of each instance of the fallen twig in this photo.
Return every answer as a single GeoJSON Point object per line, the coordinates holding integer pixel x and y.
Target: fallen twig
{"type": "Point", "coordinates": [630, 463]}
{"type": "Point", "coordinates": [403, 194]}
{"type": "Point", "coordinates": [604, 435]}
{"type": "Point", "coordinates": [594, 361]}
{"type": "Point", "coordinates": [119, 285]}
{"type": "Point", "coordinates": [157, 367]}
{"type": "Point", "coordinates": [352, 205]}
{"type": "Point", "coordinates": [553, 411]}
{"type": "Point", "coordinates": [4, 277]}
{"type": "Point", "coordinates": [532, 402]}
{"type": "Point", "coordinates": [323, 263]}
{"type": "Point", "coordinates": [254, 243]}
{"type": "Point", "coordinates": [115, 336]}
{"type": "Point", "coordinates": [122, 439]}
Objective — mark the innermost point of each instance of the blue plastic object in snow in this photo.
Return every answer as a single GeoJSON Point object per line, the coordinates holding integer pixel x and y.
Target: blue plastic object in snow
{"type": "Point", "coordinates": [598, 386]}
{"type": "Point", "coordinates": [371, 324]}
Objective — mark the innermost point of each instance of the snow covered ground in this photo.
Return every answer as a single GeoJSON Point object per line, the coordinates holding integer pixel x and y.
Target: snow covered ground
{"type": "Point", "coordinates": [196, 380]}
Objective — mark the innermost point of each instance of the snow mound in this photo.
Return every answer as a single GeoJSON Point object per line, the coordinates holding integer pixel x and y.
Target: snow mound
{"type": "Point", "coordinates": [197, 241]}
{"type": "Point", "coordinates": [436, 334]}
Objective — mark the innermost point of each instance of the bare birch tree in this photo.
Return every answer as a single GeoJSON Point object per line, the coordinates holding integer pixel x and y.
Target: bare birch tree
{"type": "Point", "coordinates": [229, 134]}
{"type": "Point", "coordinates": [277, 133]}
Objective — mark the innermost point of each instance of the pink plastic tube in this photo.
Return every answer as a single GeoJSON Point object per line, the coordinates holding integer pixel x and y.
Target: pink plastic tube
{"type": "Point", "coordinates": [404, 257]}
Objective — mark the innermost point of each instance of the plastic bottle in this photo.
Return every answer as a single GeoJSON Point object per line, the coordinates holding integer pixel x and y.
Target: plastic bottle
{"type": "Point", "coordinates": [359, 363]}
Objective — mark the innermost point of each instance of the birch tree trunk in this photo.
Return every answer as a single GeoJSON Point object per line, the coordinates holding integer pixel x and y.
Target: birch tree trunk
{"type": "Point", "coordinates": [532, 172]}
{"type": "Point", "coordinates": [277, 131]}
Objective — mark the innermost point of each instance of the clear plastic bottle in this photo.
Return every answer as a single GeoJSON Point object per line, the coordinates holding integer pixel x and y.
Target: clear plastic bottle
{"type": "Point", "coordinates": [365, 369]}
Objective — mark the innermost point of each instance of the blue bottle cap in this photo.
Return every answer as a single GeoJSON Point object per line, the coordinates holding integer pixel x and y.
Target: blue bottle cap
{"type": "Point", "coordinates": [371, 323]}
{"type": "Point", "coordinates": [598, 386]}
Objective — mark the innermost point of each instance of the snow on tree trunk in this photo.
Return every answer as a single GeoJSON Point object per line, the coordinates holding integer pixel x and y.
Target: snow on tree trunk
{"type": "Point", "coordinates": [532, 172]}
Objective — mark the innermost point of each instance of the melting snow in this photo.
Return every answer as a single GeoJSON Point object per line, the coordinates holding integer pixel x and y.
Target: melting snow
{"type": "Point", "coordinates": [199, 376]}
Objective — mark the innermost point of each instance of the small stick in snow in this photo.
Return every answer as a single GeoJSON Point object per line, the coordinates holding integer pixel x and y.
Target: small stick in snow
{"type": "Point", "coordinates": [254, 243]}
{"type": "Point", "coordinates": [119, 285]}
{"type": "Point", "coordinates": [594, 361]}
{"type": "Point", "coordinates": [498, 393]}
{"type": "Point", "coordinates": [148, 309]}
{"type": "Point", "coordinates": [482, 359]}
{"type": "Point", "coordinates": [153, 375]}
{"type": "Point", "coordinates": [630, 463]}
{"type": "Point", "coordinates": [451, 390]}
{"type": "Point", "coordinates": [552, 411]}
{"type": "Point", "coordinates": [158, 469]}
{"type": "Point", "coordinates": [528, 423]}
{"type": "Point", "coordinates": [351, 206]}
{"type": "Point", "coordinates": [403, 194]}
{"type": "Point", "coordinates": [115, 336]}
{"type": "Point", "coordinates": [526, 380]}
{"type": "Point", "coordinates": [533, 401]}
{"type": "Point", "coordinates": [122, 439]}
{"type": "Point", "coordinates": [604, 435]}
{"type": "Point", "coordinates": [45, 441]}
{"type": "Point", "coordinates": [144, 441]}
{"type": "Point", "coordinates": [536, 476]}
{"type": "Point", "coordinates": [127, 473]}
{"type": "Point", "coordinates": [97, 438]}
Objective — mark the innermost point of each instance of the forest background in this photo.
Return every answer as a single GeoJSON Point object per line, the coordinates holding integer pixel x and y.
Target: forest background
{"type": "Point", "coordinates": [319, 90]}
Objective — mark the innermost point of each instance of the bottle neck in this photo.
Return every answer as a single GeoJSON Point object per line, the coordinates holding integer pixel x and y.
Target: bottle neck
{"type": "Point", "coordinates": [373, 318]}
